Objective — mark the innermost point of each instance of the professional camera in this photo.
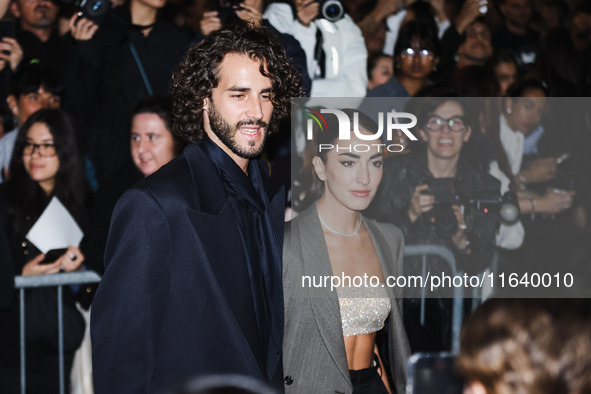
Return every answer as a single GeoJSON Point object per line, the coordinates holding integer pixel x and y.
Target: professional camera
{"type": "Point", "coordinates": [488, 202]}
{"type": "Point", "coordinates": [331, 10]}
{"type": "Point", "coordinates": [95, 10]}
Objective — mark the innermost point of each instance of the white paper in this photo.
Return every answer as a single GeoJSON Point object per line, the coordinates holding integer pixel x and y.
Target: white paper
{"type": "Point", "coordinates": [55, 228]}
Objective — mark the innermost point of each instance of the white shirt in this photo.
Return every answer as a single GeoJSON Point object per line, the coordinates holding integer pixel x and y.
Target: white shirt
{"type": "Point", "coordinates": [343, 45]}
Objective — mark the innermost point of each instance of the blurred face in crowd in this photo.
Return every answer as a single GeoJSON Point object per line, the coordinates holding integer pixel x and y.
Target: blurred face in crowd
{"type": "Point", "coordinates": [506, 74]}
{"type": "Point", "coordinates": [582, 25]}
{"type": "Point", "coordinates": [445, 131]}
{"type": "Point", "coordinates": [238, 114]}
{"type": "Point", "coordinates": [351, 178]}
{"type": "Point", "coordinates": [416, 62]}
{"type": "Point", "coordinates": [29, 103]}
{"type": "Point", "coordinates": [381, 73]}
{"type": "Point", "coordinates": [477, 47]}
{"type": "Point", "coordinates": [516, 12]}
{"type": "Point", "coordinates": [39, 156]}
{"type": "Point", "coordinates": [524, 113]}
{"type": "Point", "coordinates": [152, 144]}
{"type": "Point", "coordinates": [35, 14]}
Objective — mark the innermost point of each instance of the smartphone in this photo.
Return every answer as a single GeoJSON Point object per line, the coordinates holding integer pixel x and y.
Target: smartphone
{"type": "Point", "coordinates": [433, 373]}
{"type": "Point", "coordinates": [53, 255]}
{"type": "Point", "coordinates": [564, 180]}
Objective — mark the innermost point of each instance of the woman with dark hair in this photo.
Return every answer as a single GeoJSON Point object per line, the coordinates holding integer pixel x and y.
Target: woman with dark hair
{"type": "Point", "coordinates": [416, 54]}
{"type": "Point", "coordinates": [45, 165]}
{"type": "Point", "coordinates": [331, 336]}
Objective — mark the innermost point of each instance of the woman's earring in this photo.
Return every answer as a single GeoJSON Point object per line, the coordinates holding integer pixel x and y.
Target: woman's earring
{"type": "Point", "coordinates": [509, 111]}
{"type": "Point", "coordinates": [322, 178]}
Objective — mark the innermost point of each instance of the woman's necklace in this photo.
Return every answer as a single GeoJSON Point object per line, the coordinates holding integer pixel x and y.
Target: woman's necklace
{"type": "Point", "coordinates": [338, 232]}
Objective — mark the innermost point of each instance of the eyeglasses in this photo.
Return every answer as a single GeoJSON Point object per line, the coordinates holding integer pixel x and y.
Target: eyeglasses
{"type": "Point", "coordinates": [44, 150]}
{"type": "Point", "coordinates": [410, 53]}
{"type": "Point", "coordinates": [437, 123]}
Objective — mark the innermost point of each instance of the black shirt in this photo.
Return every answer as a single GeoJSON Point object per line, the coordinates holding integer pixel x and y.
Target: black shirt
{"type": "Point", "coordinates": [523, 48]}
{"type": "Point", "coordinates": [249, 201]}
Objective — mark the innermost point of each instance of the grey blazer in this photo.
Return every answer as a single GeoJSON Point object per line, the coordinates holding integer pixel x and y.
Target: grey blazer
{"type": "Point", "coordinates": [314, 358]}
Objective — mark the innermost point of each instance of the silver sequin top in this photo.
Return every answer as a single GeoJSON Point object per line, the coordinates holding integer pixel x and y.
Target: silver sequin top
{"type": "Point", "coordinates": [363, 309]}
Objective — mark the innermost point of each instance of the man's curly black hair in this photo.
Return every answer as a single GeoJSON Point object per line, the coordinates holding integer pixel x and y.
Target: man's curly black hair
{"type": "Point", "coordinates": [198, 74]}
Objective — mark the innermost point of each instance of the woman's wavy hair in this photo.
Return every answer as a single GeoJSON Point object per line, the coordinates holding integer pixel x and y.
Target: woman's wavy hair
{"type": "Point", "coordinates": [24, 196]}
{"type": "Point", "coordinates": [199, 73]}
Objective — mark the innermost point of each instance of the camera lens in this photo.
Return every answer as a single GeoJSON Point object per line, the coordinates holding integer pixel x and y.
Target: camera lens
{"type": "Point", "coordinates": [96, 8]}
{"type": "Point", "coordinates": [332, 10]}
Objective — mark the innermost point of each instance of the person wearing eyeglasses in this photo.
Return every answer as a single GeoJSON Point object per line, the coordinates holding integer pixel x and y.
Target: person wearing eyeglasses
{"type": "Point", "coordinates": [32, 88]}
{"type": "Point", "coordinates": [416, 55]}
{"type": "Point", "coordinates": [406, 199]}
{"type": "Point", "coordinates": [45, 164]}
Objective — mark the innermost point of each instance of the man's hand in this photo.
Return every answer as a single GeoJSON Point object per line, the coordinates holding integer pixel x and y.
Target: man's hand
{"type": "Point", "coordinates": [553, 202]}
{"type": "Point", "coordinates": [307, 10]}
{"type": "Point", "coordinates": [439, 5]}
{"type": "Point", "coordinates": [250, 14]}
{"type": "Point", "coordinates": [11, 53]}
{"type": "Point", "coordinates": [470, 10]}
{"type": "Point", "coordinates": [210, 22]}
{"type": "Point", "coordinates": [459, 238]}
{"type": "Point", "coordinates": [541, 170]}
{"type": "Point", "coordinates": [385, 8]}
{"type": "Point", "coordinates": [82, 29]}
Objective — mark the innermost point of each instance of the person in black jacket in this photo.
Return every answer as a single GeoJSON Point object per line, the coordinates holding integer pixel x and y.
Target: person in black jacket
{"type": "Point", "coordinates": [130, 57]}
{"type": "Point", "coordinates": [45, 165]}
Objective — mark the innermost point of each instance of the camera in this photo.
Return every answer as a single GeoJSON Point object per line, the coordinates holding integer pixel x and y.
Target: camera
{"type": "Point", "coordinates": [479, 202]}
{"type": "Point", "coordinates": [95, 10]}
{"type": "Point", "coordinates": [227, 11]}
{"type": "Point", "coordinates": [331, 10]}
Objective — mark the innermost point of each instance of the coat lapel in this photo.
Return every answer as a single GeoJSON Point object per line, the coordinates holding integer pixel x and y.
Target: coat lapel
{"type": "Point", "coordinates": [324, 302]}
{"type": "Point", "coordinates": [214, 223]}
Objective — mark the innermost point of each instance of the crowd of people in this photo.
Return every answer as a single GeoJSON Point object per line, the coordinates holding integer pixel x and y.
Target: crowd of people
{"type": "Point", "coordinates": [170, 104]}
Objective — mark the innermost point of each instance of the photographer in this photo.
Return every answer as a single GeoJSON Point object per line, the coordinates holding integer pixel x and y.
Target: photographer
{"type": "Point", "coordinates": [334, 46]}
{"type": "Point", "coordinates": [114, 66]}
{"type": "Point", "coordinates": [407, 199]}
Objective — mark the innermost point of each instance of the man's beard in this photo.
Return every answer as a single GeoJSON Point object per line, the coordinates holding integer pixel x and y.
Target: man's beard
{"type": "Point", "coordinates": [224, 131]}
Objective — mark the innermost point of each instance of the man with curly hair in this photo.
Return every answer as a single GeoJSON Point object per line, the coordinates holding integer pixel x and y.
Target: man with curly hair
{"type": "Point", "coordinates": [192, 284]}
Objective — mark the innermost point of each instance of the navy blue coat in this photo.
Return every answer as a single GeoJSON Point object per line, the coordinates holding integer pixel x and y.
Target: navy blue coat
{"type": "Point", "coordinates": [175, 300]}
